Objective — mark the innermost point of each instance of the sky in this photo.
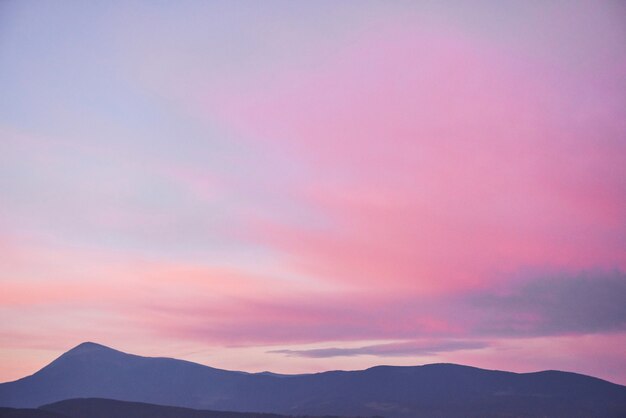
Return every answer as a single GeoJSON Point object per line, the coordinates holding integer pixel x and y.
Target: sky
{"type": "Point", "coordinates": [309, 186]}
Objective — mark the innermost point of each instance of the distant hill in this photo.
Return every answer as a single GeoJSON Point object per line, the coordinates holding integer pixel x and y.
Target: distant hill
{"type": "Point", "coordinates": [28, 413]}
{"type": "Point", "coordinates": [107, 408]}
{"type": "Point", "coordinates": [438, 390]}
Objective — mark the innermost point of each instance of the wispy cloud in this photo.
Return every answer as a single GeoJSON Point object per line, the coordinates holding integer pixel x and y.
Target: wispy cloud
{"type": "Point", "coordinates": [398, 349]}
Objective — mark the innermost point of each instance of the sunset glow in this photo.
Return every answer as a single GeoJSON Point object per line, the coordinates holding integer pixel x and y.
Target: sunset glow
{"type": "Point", "coordinates": [307, 186]}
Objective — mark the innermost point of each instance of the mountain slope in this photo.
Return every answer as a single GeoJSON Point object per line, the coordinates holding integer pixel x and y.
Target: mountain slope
{"type": "Point", "coordinates": [93, 370]}
{"type": "Point", "coordinates": [446, 390]}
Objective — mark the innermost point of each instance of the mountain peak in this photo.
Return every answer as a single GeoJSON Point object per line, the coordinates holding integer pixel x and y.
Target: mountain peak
{"type": "Point", "coordinates": [89, 346]}
{"type": "Point", "coordinates": [90, 349]}
{"type": "Point", "coordinates": [82, 355]}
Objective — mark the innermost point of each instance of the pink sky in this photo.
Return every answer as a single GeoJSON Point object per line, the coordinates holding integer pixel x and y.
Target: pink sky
{"type": "Point", "coordinates": [305, 187]}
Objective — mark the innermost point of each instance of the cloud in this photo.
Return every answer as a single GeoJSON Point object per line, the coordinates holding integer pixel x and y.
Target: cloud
{"type": "Point", "coordinates": [591, 302]}
{"type": "Point", "coordinates": [437, 159]}
{"type": "Point", "coordinates": [398, 349]}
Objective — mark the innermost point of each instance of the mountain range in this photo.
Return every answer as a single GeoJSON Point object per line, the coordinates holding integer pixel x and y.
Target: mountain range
{"type": "Point", "coordinates": [437, 390]}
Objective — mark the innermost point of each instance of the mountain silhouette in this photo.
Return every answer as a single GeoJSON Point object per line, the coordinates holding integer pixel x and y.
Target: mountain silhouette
{"type": "Point", "coordinates": [107, 408]}
{"type": "Point", "coordinates": [438, 390]}
{"type": "Point", "coordinates": [28, 413]}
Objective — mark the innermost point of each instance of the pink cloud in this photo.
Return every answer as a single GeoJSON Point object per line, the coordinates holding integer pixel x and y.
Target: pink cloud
{"type": "Point", "coordinates": [441, 161]}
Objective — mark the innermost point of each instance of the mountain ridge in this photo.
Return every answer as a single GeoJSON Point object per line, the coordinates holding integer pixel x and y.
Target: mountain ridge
{"type": "Point", "coordinates": [105, 408]}
{"type": "Point", "coordinates": [92, 370]}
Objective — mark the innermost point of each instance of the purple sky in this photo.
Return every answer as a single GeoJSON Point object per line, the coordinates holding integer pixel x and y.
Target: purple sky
{"type": "Point", "coordinates": [303, 186]}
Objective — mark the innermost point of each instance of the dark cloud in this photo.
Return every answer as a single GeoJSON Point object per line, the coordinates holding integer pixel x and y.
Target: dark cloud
{"type": "Point", "coordinates": [587, 303]}
{"type": "Point", "coordinates": [401, 349]}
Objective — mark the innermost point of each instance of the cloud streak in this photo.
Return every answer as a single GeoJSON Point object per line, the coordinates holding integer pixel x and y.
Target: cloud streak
{"type": "Point", "coordinates": [398, 349]}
